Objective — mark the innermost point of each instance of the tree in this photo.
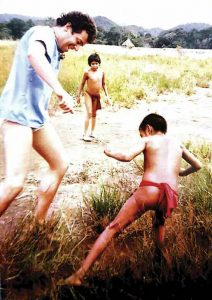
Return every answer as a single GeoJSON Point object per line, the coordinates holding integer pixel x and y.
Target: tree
{"type": "Point", "coordinates": [17, 28]}
{"type": "Point", "coordinates": [49, 21]}
{"type": "Point", "coordinates": [101, 36]}
{"type": "Point", "coordinates": [172, 39]}
{"type": "Point", "coordinates": [5, 32]}
{"type": "Point", "coordinates": [113, 36]}
{"type": "Point", "coordinates": [28, 24]}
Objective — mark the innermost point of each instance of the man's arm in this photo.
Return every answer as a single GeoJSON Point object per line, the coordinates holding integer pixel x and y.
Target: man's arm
{"type": "Point", "coordinates": [126, 157]}
{"type": "Point", "coordinates": [39, 62]}
{"type": "Point", "coordinates": [195, 164]}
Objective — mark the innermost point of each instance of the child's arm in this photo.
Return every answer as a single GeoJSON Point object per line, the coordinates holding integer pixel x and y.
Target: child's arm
{"type": "Point", "coordinates": [104, 87]}
{"type": "Point", "coordinates": [195, 164]}
{"type": "Point", "coordinates": [126, 157]}
{"type": "Point", "coordinates": [84, 78]}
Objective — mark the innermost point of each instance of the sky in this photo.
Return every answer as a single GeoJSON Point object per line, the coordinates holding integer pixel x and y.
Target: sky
{"type": "Point", "coordinates": [146, 13]}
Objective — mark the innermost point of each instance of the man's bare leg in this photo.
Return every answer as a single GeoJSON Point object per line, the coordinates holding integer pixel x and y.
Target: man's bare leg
{"type": "Point", "coordinates": [47, 143]}
{"type": "Point", "coordinates": [17, 141]}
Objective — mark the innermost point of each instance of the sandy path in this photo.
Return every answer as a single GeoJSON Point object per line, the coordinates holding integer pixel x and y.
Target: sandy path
{"type": "Point", "coordinates": [188, 118]}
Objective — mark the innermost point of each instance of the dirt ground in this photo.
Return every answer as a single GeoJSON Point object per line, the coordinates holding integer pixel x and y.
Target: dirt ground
{"type": "Point", "coordinates": [187, 117]}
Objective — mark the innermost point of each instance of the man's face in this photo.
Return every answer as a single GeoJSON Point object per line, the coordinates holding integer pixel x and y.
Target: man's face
{"type": "Point", "coordinates": [72, 41]}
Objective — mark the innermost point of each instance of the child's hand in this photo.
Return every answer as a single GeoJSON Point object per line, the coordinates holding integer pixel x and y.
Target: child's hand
{"type": "Point", "coordinates": [107, 101]}
{"type": "Point", "coordinates": [78, 99]}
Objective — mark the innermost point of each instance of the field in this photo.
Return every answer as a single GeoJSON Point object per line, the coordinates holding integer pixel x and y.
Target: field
{"type": "Point", "coordinates": [174, 83]}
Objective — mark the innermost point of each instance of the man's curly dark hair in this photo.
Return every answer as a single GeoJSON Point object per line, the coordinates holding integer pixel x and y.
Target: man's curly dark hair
{"type": "Point", "coordinates": [79, 22]}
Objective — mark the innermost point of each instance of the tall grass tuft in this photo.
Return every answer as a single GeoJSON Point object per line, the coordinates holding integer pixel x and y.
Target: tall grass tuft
{"type": "Point", "coordinates": [103, 205]}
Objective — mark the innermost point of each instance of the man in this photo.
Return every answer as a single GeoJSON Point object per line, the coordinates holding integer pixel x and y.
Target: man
{"type": "Point", "coordinates": [24, 106]}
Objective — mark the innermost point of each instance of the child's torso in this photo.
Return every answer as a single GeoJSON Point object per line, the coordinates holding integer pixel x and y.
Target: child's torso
{"type": "Point", "coordinates": [162, 158]}
{"type": "Point", "coordinates": [94, 82]}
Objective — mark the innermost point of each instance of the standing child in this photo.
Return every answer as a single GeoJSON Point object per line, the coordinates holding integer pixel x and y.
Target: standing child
{"type": "Point", "coordinates": [157, 190]}
{"type": "Point", "coordinates": [95, 79]}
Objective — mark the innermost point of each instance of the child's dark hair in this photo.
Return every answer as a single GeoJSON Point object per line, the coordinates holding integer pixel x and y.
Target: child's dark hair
{"type": "Point", "coordinates": [154, 120]}
{"type": "Point", "coordinates": [94, 57]}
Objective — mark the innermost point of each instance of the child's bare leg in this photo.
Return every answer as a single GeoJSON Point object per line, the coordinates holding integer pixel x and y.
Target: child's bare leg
{"type": "Point", "coordinates": [141, 201]}
{"type": "Point", "coordinates": [98, 247]}
{"type": "Point", "coordinates": [159, 234]}
{"type": "Point", "coordinates": [88, 116]}
{"type": "Point", "coordinates": [19, 138]}
{"type": "Point", "coordinates": [93, 125]}
{"type": "Point", "coordinates": [87, 120]}
{"type": "Point", "coordinates": [128, 213]}
{"type": "Point", "coordinates": [48, 145]}
{"type": "Point", "coordinates": [93, 121]}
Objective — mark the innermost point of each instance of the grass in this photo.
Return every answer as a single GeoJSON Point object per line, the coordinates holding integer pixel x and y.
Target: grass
{"type": "Point", "coordinates": [129, 78]}
{"type": "Point", "coordinates": [6, 57]}
{"type": "Point", "coordinates": [34, 261]}
{"type": "Point", "coordinates": [103, 206]}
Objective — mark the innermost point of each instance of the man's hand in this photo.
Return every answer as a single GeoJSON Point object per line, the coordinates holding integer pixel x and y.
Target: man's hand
{"type": "Point", "coordinates": [182, 172]}
{"type": "Point", "coordinates": [107, 151]}
{"type": "Point", "coordinates": [65, 102]}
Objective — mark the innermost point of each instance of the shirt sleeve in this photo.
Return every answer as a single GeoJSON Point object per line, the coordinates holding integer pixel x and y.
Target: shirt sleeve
{"type": "Point", "coordinates": [45, 35]}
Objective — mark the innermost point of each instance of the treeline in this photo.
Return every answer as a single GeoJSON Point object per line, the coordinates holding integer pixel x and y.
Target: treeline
{"type": "Point", "coordinates": [15, 28]}
{"type": "Point", "coordinates": [194, 39]}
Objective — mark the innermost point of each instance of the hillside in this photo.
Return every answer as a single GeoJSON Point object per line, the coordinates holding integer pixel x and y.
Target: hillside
{"type": "Point", "coordinates": [4, 18]}
{"type": "Point", "coordinates": [190, 26]}
{"type": "Point", "coordinates": [191, 35]}
{"type": "Point", "coordinates": [106, 24]}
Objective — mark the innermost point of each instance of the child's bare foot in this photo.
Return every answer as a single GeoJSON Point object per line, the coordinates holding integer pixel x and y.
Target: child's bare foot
{"type": "Point", "coordinates": [73, 280]}
{"type": "Point", "coordinates": [76, 278]}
